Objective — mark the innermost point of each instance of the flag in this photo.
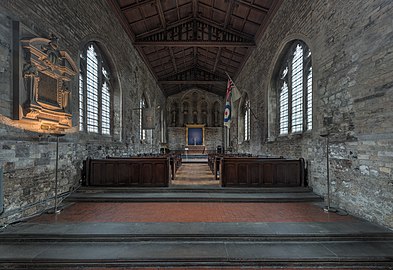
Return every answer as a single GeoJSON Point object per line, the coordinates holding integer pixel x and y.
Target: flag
{"type": "Point", "coordinates": [231, 96]}
{"type": "Point", "coordinates": [235, 92]}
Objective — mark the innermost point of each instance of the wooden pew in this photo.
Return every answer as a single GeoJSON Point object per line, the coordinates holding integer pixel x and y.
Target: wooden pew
{"type": "Point", "coordinates": [261, 172]}
{"type": "Point", "coordinates": [214, 164]}
{"type": "Point", "coordinates": [214, 160]}
{"type": "Point", "coordinates": [147, 171]}
{"type": "Point", "coordinates": [175, 161]}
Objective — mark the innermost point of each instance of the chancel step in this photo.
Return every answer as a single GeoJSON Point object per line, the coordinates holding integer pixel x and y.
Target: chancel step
{"type": "Point", "coordinates": [194, 189]}
{"type": "Point", "coordinates": [350, 244]}
{"type": "Point", "coordinates": [196, 231]}
{"type": "Point", "coordinates": [184, 195]}
{"type": "Point", "coordinates": [354, 254]}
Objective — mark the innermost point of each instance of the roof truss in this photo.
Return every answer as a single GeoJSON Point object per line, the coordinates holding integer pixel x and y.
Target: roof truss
{"type": "Point", "coordinates": [192, 43]}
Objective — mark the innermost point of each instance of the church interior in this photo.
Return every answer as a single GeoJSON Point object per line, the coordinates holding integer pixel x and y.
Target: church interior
{"type": "Point", "coordinates": [196, 134]}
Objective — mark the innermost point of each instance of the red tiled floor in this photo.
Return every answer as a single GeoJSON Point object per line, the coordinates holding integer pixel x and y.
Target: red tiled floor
{"type": "Point", "coordinates": [193, 212]}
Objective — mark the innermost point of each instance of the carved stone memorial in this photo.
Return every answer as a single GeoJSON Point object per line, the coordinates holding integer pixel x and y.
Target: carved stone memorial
{"type": "Point", "coordinates": [44, 95]}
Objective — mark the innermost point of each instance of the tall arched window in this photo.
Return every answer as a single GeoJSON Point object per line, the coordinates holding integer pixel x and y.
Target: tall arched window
{"type": "Point", "coordinates": [94, 92]}
{"type": "Point", "coordinates": [295, 90]}
{"type": "Point", "coordinates": [246, 116]}
{"type": "Point", "coordinates": [142, 105]}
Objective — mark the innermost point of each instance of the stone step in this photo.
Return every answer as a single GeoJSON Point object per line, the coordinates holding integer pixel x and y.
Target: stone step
{"type": "Point", "coordinates": [192, 197]}
{"type": "Point", "coordinates": [193, 194]}
{"type": "Point", "coordinates": [181, 231]}
{"type": "Point", "coordinates": [193, 189]}
{"type": "Point", "coordinates": [371, 254]}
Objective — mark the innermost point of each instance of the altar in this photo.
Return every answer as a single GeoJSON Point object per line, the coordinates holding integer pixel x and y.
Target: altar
{"type": "Point", "coordinates": [195, 139]}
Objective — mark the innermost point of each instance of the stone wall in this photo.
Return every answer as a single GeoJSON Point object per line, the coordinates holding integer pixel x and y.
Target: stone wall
{"type": "Point", "coordinates": [195, 106]}
{"type": "Point", "coordinates": [177, 138]}
{"type": "Point", "coordinates": [352, 55]}
{"type": "Point", "coordinates": [199, 102]}
{"type": "Point", "coordinates": [28, 158]}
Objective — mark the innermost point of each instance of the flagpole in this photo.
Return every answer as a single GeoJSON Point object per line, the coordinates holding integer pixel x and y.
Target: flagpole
{"type": "Point", "coordinates": [229, 77]}
{"type": "Point", "coordinates": [235, 92]}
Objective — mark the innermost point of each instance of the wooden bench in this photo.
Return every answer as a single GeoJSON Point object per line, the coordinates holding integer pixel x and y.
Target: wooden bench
{"type": "Point", "coordinates": [128, 171]}
{"type": "Point", "coordinates": [176, 162]}
{"type": "Point", "coordinates": [261, 172]}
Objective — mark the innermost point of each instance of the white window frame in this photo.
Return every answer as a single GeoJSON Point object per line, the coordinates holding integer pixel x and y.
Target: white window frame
{"type": "Point", "coordinates": [247, 119]}
{"type": "Point", "coordinates": [294, 84]}
{"type": "Point", "coordinates": [142, 105]}
{"type": "Point", "coordinates": [95, 95]}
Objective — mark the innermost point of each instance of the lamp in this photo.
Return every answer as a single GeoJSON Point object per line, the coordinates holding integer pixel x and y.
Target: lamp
{"type": "Point", "coordinates": [328, 208]}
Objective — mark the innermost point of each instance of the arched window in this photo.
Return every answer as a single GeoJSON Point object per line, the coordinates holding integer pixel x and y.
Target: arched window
{"type": "Point", "coordinates": [246, 117]}
{"type": "Point", "coordinates": [142, 105]}
{"type": "Point", "coordinates": [94, 92]}
{"type": "Point", "coordinates": [295, 90]}
{"type": "Point", "coordinates": [216, 114]}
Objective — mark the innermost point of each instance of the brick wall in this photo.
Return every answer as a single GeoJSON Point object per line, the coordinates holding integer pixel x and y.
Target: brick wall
{"type": "Point", "coordinates": [352, 54]}
{"type": "Point", "coordinates": [28, 158]}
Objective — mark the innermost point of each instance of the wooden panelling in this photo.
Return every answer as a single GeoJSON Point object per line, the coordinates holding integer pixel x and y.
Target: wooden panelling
{"type": "Point", "coordinates": [128, 172]}
{"type": "Point", "coordinates": [263, 172]}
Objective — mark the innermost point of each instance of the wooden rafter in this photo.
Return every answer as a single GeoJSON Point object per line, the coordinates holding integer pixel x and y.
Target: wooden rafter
{"type": "Point", "coordinates": [159, 30]}
{"type": "Point", "coordinates": [123, 21]}
{"type": "Point", "coordinates": [194, 73]}
{"type": "Point", "coordinates": [245, 18]}
{"type": "Point", "coordinates": [136, 5]}
{"type": "Point", "coordinates": [188, 21]}
{"type": "Point", "coordinates": [217, 59]}
{"type": "Point", "coordinates": [229, 30]}
{"type": "Point", "coordinates": [233, 52]}
{"type": "Point", "coordinates": [197, 43]}
{"type": "Point", "coordinates": [192, 82]}
{"type": "Point", "coordinates": [189, 35]}
{"type": "Point", "coordinates": [121, 18]}
{"type": "Point", "coordinates": [253, 6]}
{"type": "Point", "coordinates": [173, 58]}
{"type": "Point", "coordinates": [231, 6]}
{"type": "Point", "coordinates": [194, 8]}
{"type": "Point", "coordinates": [275, 5]}
{"type": "Point", "coordinates": [199, 36]}
{"type": "Point", "coordinates": [161, 13]}
{"type": "Point", "coordinates": [177, 10]}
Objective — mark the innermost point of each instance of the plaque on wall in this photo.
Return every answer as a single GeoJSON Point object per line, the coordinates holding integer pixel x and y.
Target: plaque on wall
{"type": "Point", "coordinates": [44, 95]}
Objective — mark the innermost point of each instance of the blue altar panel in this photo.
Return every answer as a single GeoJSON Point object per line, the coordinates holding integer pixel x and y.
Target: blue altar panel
{"type": "Point", "coordinates": [195, 136]}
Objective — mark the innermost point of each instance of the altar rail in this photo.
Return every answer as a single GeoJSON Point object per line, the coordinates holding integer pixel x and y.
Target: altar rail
{"type": "Point", "coordinates": [128, 171]}
{"type": "Point", "coordinates": [261, 172]}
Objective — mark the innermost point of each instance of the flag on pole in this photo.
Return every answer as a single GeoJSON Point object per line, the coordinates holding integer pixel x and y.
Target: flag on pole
{"type": "Point", "coordinates": [231, 96]}
{"type": "Point", "coordinates": [228, 109]}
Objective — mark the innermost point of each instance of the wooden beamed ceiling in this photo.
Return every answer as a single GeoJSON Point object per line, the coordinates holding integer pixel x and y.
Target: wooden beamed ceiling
{"type": "Point", "coordinates": [194, 43]}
